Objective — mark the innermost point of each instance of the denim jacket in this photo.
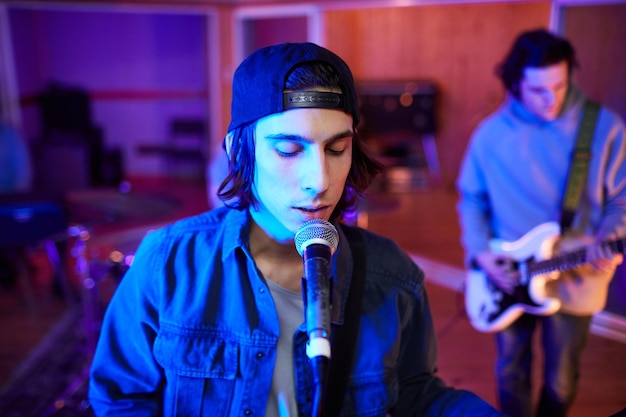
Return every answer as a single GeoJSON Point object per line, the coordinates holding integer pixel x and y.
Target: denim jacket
{"type": "Point", "coordinates": [192, 331]}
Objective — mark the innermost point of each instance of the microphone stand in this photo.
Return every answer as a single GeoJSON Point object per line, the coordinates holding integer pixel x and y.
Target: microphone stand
{"type": "Point", "coordinates": [320, 373]}
{"type": "Point", "coordinates": [318, 346]}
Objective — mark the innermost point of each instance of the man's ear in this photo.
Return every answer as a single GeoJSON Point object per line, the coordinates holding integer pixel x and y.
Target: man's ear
{"type": "Point", "coordinates": [228, 143]}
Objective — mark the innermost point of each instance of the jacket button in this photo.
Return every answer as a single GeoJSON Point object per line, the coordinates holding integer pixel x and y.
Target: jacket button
{"type": "Point", "coordinates": [260, 355]}
{"type": "Point", "coordinates": [248, 412]}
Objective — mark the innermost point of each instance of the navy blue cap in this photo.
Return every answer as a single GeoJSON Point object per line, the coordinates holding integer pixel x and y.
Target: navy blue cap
{"type": "Point", "coordinates": [259, 83]}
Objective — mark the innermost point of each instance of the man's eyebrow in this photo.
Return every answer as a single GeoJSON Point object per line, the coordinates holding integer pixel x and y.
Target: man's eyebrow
{"type": "Point", "coordinates": [299, 138]}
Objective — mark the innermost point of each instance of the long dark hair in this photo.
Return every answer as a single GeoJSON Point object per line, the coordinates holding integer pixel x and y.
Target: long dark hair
{"type": "Point", "coordinates": [236, 189]}
{"type": "Point", "coordinates": [536, 48]}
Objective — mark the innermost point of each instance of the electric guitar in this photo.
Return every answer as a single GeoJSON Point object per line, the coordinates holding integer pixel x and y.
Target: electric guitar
{"type": "Point", "coordinates": [490, 310]}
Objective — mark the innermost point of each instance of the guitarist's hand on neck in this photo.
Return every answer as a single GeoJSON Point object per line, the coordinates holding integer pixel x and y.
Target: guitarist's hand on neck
{"type": "Point", "coordinates": [602, 258]}
{"type": "Point", "coordinates": [499, 269]}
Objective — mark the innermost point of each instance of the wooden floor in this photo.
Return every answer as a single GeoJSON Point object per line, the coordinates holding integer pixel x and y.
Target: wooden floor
{"type": "Point", "coordinates": [423, 221]}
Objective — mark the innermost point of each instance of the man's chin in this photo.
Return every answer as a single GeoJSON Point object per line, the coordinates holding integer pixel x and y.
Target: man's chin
{"type": "Point", "coordinates": [549, 117]}
{"type": "Point", "coordinates": [273, 227]}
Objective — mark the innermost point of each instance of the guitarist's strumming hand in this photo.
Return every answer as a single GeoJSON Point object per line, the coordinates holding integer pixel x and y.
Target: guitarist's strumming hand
{"type": "Point", "coordinates": [500, 269]}
{"type": "Point", "coordinates": [601, 257]}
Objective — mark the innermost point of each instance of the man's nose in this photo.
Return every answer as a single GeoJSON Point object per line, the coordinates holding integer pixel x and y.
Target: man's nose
{"type": "Point", "coordinates": [315, 177]}
{"type": "Point", "coordinates": [550, 97]}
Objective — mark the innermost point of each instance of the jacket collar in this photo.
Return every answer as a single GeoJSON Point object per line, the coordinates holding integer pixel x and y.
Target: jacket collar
{"type": "Point", "coordinates": [236, 232]}
{"type": "Point", "coordinates": [236, 226]}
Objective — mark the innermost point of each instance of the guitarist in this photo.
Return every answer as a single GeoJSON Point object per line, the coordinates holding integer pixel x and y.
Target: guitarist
{"type": "Point", "coordinates": [513, 178]}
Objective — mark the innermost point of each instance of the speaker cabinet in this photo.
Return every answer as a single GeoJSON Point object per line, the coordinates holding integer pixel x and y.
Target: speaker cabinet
{"type": "Point", "coordinates": [398, 105]}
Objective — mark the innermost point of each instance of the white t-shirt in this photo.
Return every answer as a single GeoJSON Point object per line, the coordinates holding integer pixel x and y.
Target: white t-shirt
{"type": "Point", "coordinates": [290, 309]}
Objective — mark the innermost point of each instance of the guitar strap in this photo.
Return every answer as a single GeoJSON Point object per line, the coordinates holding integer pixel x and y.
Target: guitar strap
{"type": "Point", "coordinates": [344, 337]}
{"type": "Point", "coordinates": [580, 164]}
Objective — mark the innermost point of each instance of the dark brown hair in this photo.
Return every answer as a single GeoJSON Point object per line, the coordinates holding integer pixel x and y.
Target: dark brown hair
{"type": "Point", "coordinates": [536, 48]}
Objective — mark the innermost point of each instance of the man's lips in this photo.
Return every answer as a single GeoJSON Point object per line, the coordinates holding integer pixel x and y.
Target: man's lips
{"type": "Point", "coordinates": [312, 209]}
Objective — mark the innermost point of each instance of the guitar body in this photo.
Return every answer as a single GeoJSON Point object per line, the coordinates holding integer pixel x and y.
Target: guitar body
{"type": "Point", "coordinates": [490, 309]}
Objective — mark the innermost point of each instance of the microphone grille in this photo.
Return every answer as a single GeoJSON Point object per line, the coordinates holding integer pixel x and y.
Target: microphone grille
{"type": "Point", "coordinates": [316, 231]}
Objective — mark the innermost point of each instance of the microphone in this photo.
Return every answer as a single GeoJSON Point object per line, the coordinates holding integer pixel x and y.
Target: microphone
{"type": "Point", "coordinates": [316, 241]}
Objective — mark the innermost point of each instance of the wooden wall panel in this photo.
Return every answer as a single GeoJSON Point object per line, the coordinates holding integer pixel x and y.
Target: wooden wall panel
{"type": "Point", "coordinates": [456, 46]}
{"type": "Point", "coordinates": [599, 35]}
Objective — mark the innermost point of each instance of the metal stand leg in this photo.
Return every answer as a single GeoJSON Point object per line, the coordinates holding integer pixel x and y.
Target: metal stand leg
{"type": "Point", "coordinates": [24, 279]}
{"type": "Point", "coordinates": [59, 271]}
{"type": "Point", "coordinates": [432, 157]}
{"type": "Point", "coordinates": [89, 288]}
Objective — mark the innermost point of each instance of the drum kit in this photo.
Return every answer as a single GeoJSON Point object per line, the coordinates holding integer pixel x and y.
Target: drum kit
{"type": "Point", "coordinates": [87, 261]}
{"type": "Point", "coordinates": [53, 379]}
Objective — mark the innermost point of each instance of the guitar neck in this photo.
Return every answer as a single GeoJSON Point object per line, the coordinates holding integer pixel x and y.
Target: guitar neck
{"type": "Point", "coordinates": [572, 259]}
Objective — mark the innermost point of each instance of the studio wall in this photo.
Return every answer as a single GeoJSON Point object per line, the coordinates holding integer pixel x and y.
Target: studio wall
{"type": "Point", "coordinates": [140, 69]}
{"type": "Point", "coordinates": [598, 33]}
{"type": "Point", "coordinates": [455, 46]}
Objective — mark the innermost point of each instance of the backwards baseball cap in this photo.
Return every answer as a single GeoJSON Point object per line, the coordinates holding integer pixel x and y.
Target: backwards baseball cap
{"type": "Point", "coordinates": [259, 84]}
